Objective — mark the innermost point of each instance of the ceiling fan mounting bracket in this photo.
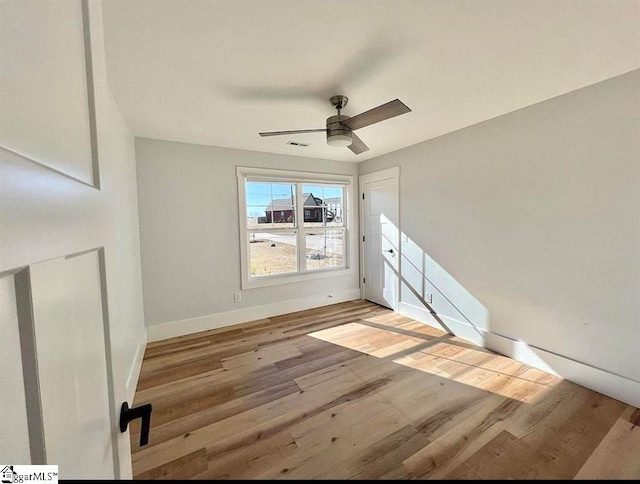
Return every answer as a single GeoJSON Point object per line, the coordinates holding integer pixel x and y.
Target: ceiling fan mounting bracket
{"type": "Point", "coordinates": [339, 102]}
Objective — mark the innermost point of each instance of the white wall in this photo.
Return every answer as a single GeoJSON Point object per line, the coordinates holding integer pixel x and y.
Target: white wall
{"type": "Point", "coordinates": [189, 232]}
{"type": "Point", "coordinates": [528, 225]}
{"type": "Point", "coordinates": [46, 214]}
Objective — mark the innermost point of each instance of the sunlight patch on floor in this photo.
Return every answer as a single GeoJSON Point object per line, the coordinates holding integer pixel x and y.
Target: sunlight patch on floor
{"type": "Point", "coordinates": [365, 339]}
{"type": "Point", "coordinates": [434, 352]}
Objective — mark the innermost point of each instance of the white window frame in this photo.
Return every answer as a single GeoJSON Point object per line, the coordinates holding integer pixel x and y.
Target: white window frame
{"type": "Point", "coordinates": [349, 242]}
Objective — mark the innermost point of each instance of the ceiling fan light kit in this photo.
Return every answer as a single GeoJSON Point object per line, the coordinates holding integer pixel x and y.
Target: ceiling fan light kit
{"type": "Point", "coordinates": [340, 140]}
{"type": "Point", "coordinates": [339, 128]}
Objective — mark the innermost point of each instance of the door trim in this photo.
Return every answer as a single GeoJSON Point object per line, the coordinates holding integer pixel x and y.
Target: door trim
{"type": "Point", "coordinates": [393, 172]}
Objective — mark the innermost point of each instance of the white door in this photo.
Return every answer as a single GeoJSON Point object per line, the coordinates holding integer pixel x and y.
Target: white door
{"type": "Point", "coordinates": [380, 243]}
{"type": "Point", "coordinates": [69, 334]}
{"type": "Point", "coordinates": [53, 217]}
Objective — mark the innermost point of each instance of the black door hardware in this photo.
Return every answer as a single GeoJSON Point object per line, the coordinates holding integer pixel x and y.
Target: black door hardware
{"type": "Point", "coordinates": [128, 414]}
{"type": "Point", "coordinates": [390, 251]}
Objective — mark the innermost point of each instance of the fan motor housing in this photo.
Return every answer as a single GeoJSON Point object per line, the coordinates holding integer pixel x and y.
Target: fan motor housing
{"type": "Point", "coordinates": [335, 126]}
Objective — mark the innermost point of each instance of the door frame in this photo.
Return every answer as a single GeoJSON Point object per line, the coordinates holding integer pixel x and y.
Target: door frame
{"type": "Point", "coordinates": [393, 172]}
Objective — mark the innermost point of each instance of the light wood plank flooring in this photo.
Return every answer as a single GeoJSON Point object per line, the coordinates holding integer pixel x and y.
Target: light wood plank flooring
{"type": "Point", "coordinates": [355, 391]}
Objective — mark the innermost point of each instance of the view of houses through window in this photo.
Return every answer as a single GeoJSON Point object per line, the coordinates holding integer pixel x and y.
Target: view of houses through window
{"type": "Point", "coordinates": [278, 242]}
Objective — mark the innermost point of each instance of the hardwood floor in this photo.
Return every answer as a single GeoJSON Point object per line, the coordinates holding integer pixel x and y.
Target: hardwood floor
{"type": "Point", "coordinates": [356, 391]}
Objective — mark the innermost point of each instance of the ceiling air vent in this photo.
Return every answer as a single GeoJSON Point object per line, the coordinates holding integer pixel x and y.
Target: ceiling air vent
{"type": "Point", "coordinates": [296, 143]}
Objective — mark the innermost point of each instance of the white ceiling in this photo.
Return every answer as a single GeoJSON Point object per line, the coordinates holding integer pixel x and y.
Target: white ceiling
{"type": "Point", "coordinates": [217, 72]}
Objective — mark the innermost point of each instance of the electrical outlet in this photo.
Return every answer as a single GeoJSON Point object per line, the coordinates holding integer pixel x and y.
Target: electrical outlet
{"type": "Point", "coordinates": [237, 297]}
{"type": "Point", "coordinates": [428, 297]}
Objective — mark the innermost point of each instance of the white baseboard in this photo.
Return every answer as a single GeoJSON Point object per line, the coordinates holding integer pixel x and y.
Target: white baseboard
{"type": "Point", "coordinates": [229, 318]}
{"type": "Point", "coordinates": [458, 328]}
{"type": "Point", "coordinates": [134, 373]}
{"type": "Point", "coordinates": [602, 381]}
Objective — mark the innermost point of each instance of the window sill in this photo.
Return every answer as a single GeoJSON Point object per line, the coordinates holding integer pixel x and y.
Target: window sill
{"type": "Point", "coordinates": [281, 279]}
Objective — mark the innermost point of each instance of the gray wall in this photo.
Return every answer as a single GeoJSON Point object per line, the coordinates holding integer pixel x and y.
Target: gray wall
{"type": "Point", "coordinates": [189, 230]}
{"type": "Point", "coordinates": [528, 224]}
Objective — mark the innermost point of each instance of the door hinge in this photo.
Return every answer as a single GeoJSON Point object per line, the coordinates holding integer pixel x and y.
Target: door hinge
{"type": "Point", "coordinates": [363, 238]}
{"type": "Point", "coordinates": [363, 196]}
{"type": "Point", "coordinates": [363, 280]}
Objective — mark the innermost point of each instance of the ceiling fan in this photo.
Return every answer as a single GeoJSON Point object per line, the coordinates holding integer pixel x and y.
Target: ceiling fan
{"type": "Point", "coordinates": [340, 128]}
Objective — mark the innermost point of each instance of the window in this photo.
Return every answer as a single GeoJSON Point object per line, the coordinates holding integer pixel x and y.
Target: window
{"type": "Point", "coordinates": [293, 227]}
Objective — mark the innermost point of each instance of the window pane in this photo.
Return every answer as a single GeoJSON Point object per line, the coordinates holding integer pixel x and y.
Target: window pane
{"type": "Point", "coordinates": [256, 217]}
{"type": "Point", "coordinates": [281, 211]}
{"type": "Point", "coordinates": [258, 193]}
{"type": "Point", "coordinates": [282, 216]}
{"type": "Point", "coordinates": [272, 253]}
{"type": "Point", "coordinates": [311, 191]}
{"type": "Point", "coordinates": [334, 212]}
{"type": "Point", "coordinates": [324, 249]}
{"type": "Point", "coordinates": [323, 205]}
{"type": "Point", "coordinates": [284, 191]}
{"type": "Point", "coordinates": [270, 204]}
{"type": "Point", "coordinates": [334, 203]}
